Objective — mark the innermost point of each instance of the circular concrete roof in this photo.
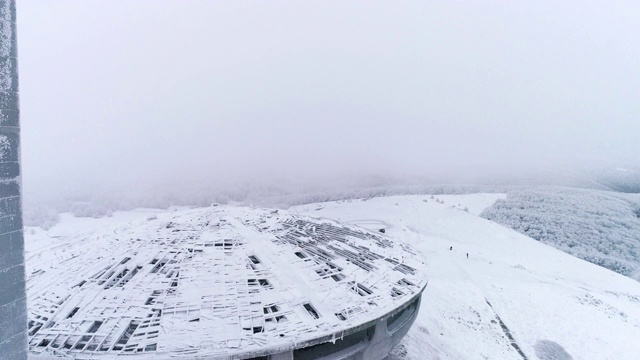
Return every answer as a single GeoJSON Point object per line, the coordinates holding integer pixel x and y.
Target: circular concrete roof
{"type": "Point", "coordinates": [217, 282]}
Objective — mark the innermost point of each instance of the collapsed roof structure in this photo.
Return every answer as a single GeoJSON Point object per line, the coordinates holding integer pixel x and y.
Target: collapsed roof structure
{"type": "Point", "coordinates": [223, 282]}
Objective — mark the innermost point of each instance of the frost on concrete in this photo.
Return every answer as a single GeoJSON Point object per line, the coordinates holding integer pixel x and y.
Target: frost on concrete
{"type": "Point", "coordinates": [214, 282]}
{"type": "Point", "coordinates": [12, 288]}
{"type": "Point", "coordinates": [549, 350]}
{"type": "Point", "coordinates": [5, 146]}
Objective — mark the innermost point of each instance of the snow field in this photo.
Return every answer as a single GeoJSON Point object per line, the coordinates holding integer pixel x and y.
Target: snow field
{"type": "Point", "coordinates": [553, 305]}
{"type": "Point", "coordinates": [542, 295]}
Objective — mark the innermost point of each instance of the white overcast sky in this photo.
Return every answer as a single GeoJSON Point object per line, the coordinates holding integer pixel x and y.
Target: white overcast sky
{"type": "Point", "coordinates": [120, 92]}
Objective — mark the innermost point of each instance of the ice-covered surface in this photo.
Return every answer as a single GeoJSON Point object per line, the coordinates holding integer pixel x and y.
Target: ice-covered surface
{"type": "Point", "coordinates": [210, 282]}
{"type": "Point", "coordinates": [550, 303]}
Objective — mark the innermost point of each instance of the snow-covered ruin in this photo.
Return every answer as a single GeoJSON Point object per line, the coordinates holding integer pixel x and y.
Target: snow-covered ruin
{"type": "Point", "coordinates": [224, 282]}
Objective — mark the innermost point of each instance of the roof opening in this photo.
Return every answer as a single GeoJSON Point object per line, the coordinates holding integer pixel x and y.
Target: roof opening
{"type": "Point", "coordinates": [73, 312]}
{"type": "Point", "coordinates": [80, 284]}
{"type": "Point", "coordinates": [406, 269]}
{"type": "Point", "coordinates": [360, 289]}
{"type": "Point", "coordinates": [35, 329]}
{"type": "Point", "coordinates": [405, 282]}
{"type": "Point", "coordinates": [395, 292]}
{"type": "Point", "coordinates": [311, 310]}
{"type": "Point", "coordinates": [94, 327]}
{"type": "Point", "coordinates": [44, 342]}
{"type": "Point", "coordinates": [159, 265]}
{"type": "Point", "coordinates": [124, 338]}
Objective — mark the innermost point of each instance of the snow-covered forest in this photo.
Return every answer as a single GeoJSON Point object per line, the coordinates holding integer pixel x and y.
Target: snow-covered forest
{"type": "Point", "coordinates": [45, 212]}
{"type": "Point", "coordinates": [598, 226]}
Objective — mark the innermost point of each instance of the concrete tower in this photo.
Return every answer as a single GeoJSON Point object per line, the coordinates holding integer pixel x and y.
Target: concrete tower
{"type": "Point", "coordinates": [13, 308]}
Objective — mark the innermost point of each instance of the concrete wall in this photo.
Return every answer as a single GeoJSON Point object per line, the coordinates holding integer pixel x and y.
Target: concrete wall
{"type": "Point", "coordinates": [13, 308]}
{"type": "Point", "coordinates": [380, 341]}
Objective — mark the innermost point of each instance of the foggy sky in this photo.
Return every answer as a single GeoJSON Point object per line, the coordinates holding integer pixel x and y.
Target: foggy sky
{"type": "Point", "coordinates": [151, 92]}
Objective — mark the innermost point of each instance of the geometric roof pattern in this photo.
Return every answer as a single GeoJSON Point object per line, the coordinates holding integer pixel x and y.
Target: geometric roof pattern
{"type": "Point", "coordinates": [214, 282]}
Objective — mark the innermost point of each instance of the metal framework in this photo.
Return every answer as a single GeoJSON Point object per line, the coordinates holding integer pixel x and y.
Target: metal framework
{"type": "Point", "coordinates": [223, 282]}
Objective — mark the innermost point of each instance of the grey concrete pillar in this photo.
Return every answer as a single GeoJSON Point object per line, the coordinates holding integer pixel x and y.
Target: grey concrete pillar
{"type": "Point", "coordinates": [13, 308]}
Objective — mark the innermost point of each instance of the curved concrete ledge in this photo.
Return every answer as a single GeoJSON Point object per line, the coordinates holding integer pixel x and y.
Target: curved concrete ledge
{"type": "Point", "coordinates": [371, 341]}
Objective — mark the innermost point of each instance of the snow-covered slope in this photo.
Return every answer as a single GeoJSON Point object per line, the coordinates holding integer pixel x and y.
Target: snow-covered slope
{"type": "Point", "coordinates": [548, 302]}
{"type": "Point", "coordinates": [602, 227]}
{"type": "Point", "coordinates": [551, 305]}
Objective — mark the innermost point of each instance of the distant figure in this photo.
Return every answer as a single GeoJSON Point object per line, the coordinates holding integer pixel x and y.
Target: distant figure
{"type": "Point", "coordinates": [382, 231]}
{"type": "Point", "coordinates": [467, 255]}
{"type": "Point", "coordinates": [451, 248]}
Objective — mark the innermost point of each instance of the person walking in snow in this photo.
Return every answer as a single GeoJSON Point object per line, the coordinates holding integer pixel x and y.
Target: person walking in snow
{"type": "Point", "coordinates": [467, 255]}
{"type": "Point", "coordinates": [451, 248]}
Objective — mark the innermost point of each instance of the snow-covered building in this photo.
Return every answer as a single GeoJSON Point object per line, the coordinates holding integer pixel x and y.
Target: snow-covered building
{"type": "Point", "coordinates": [224, 283]}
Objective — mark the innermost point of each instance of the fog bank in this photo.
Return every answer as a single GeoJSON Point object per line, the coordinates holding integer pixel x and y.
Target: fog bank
{"type": "Point", "coordinates": [119, 96]}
